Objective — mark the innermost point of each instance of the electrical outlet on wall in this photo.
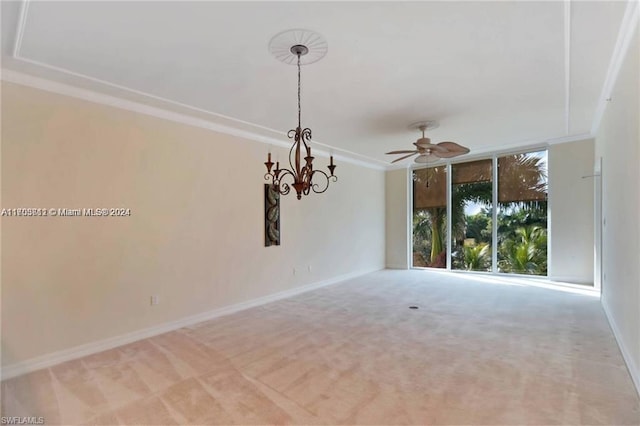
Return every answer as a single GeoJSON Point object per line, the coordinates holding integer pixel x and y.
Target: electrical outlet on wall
{"type": "Point", "coordinates": [155, 299]}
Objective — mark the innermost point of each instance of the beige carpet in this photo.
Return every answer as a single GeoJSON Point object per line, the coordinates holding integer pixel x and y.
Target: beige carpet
{"type": "Point", "coordinates": [474, 352]}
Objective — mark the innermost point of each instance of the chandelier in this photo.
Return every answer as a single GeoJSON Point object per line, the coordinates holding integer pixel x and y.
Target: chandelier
{"type": "Point", "coordinates": [300, 175]}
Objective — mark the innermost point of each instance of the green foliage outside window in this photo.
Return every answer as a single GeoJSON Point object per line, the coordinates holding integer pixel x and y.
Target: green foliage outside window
{"type": "Point", "coordinates": [522, 233]}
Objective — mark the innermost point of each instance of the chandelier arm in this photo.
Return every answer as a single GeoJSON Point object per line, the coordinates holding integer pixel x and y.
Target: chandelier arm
{"type": "Point", "coordinates": [293, 134]}
{"type": "Point", "coordinates": [284, 189]}
{"type": "Point", "coordinates": [305, 137]}
{"type": "Point", "coordinates": [286, 172]}
{"type": "Point", "coordinates": [327, 179]}
{"type": "Point", "coordinates": [281, 186]}
{"type": "Point", "coordinates": [307, 178]}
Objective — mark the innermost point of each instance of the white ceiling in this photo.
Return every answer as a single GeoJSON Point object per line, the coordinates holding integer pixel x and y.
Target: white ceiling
{"type": "Point", "coordinates": [494, 74]}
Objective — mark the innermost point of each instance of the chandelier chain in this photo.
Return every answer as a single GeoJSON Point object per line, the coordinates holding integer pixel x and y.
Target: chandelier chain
{"type": "Point", "coordinates": [299, 109]}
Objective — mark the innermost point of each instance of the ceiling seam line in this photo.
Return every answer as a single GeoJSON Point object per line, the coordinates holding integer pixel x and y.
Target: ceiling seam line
{"type": "Point", "coordinates": [17, 43]}
{"type": "Point", "coordinates": [567, 65]}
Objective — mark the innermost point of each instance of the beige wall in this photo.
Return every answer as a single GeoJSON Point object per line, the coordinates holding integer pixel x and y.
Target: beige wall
{"type": "Point", "coordinates": [195, 236]}
{"type": "Point", "coordinates": [397, 237]}
{"type": "Point", "coordinates": [571, 212]}
{"type": "Point", "coordinates": [618, 144]}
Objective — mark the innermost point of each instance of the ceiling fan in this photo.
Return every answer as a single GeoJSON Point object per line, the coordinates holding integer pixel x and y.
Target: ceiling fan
{"type": "Point", "coordinates": [428, 152]}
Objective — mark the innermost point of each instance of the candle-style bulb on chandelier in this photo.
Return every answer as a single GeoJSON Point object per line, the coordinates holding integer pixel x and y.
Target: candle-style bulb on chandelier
{"type": "Point", "coordinates": [300, 175]}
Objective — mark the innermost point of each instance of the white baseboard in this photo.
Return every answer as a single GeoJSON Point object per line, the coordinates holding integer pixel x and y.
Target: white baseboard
{"type": "Point", "coordinates": [631, 366]}
{"type": "Point", "coordinates": [397, 267]}
{"type": "Point", "coordinates": [47, 360]}
{"type": "Point", "coordinates": [571, 279]}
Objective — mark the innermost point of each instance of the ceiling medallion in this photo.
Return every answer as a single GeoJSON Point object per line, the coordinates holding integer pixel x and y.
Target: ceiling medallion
{"type": "Point", "coordinates": [299, 47]}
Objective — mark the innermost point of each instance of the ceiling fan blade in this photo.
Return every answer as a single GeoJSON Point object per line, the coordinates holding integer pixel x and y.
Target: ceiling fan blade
{"type": "Point", "coordinates": [404, 151]}
{"type": "Point", "coordinates": [430, 146]}
{"type": "Point", "coordinates": [406, 156]}
{"type": "Point", "coordinates": [426, 158]}
{"type": "Point", "coordinates": [454, 147]}
{"type": "Point", "coordinates": [448, 154]}
{"type": "Point", "coordinates": [428, 152]}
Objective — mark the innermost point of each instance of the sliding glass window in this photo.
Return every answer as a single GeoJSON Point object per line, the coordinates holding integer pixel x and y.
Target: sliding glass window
{"type": "Point", "coordinates": [430, 217]}
{"type": "Point", "coordinates": [498, 215]}
{"type": "Point", "coordinates": [522, 213]}
{"type": "Point", "coordinates": [471, 200]}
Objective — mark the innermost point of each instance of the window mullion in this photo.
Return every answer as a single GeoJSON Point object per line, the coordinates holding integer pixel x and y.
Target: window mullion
{"type": "Point", "coordinates": [494, 216]}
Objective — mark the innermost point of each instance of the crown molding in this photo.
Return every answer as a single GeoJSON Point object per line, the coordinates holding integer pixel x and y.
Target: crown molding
{"type": "Point", "coordinates": [569, 138]}
{"type": "Point", "coordinates": [28, 80]}
{"type": "Point", "coordinates": [232, 126]}
{"type": "Point", "coordinates": [24, 79]}
{"type": "Point", "coordinates": [627, 29]}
